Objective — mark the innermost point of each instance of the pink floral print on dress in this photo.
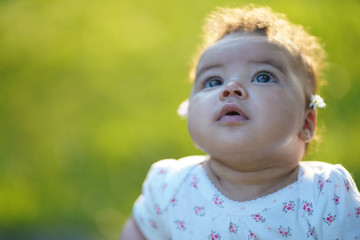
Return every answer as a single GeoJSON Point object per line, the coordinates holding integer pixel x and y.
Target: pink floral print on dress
{"type": "Point", "coordinates": [336, 199]}
{"type": "Point", "coordinates": [173, 201]}
{"type": "Point", "coordinates": [252, 236]}
{"type": "Point", "coordinates": [158, 210]}
{"type": "Point", "coordinates": [153, 224]}
{"type": "Point", "coordinates": [218, 201]}
{"type": "Point", "coordinates": [347, 185]}
{"type": "Point", "coordinates": [320, 183]}
{"type": "Point", "coordinates": [258, 218]}
{"type": "Point", "coordinates": [284, 231]}
{"type": "Point", "coordinates": [311, 233]}
{"type": "Point", "coordinates": [233, 228]}
{"type": "Point", "coordinates": [199, 211]}
{"type": "Point", "coordinates": [329, 219]}
{"type": "Point", "coordinates": [214, 236]}
{"type": "Point", "coordinates": [288, 206]}
{"type": "Point", "coordinates": [180, 225]}
{"type": "Point", "coordinates": [195, 182]}
{"type": "Point", "coordinates": [357, 212]}
{"type": "Point", "coordinates": [307, 207]}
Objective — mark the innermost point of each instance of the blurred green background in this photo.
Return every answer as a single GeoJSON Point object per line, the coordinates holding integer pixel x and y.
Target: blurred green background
{"type": "Point", "coordinates": [88, 99]}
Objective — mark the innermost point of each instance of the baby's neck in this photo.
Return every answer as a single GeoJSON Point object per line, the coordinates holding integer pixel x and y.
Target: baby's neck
{"type": "Point", "coordinates": [245, 186]}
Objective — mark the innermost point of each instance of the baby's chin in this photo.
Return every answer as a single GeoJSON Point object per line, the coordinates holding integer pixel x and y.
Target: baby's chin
{"type": "Point", "coordinates": [232, 150]}
{"type": "Point", "coordinates": [230, 155]}
{"type": "Point", "coordinates": [250, 154]}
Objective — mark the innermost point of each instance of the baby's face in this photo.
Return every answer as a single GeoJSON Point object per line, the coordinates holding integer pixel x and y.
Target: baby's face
{"type": "Point", "coordinates": [246, 99]}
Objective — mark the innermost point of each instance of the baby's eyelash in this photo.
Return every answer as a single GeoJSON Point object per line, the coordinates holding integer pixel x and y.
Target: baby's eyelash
{"type": "Point", "coordinates": [274, 78]}
{"type": "Point", "coordinates": [207, 82]}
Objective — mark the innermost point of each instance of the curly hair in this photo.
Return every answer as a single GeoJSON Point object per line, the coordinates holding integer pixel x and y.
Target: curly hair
{"type": "Point", "coordinates": [306, 49]}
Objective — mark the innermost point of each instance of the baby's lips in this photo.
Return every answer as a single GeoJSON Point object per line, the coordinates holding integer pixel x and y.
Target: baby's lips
{"type": "Point", "coordinates": [231, 109]}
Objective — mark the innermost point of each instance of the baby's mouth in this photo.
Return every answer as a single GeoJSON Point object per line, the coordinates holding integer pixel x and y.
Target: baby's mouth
{"type": "Point", "coordinates": [231, 113]}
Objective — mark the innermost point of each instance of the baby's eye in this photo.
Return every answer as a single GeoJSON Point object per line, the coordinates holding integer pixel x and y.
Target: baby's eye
{"type": "Point", "coordinates": [213, 82]}
{"type": "Point", "coordinates": [264, 77]}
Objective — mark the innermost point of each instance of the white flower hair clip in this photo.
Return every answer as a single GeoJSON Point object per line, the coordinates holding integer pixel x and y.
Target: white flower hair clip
{"type": "Point", "coordinates": [316, 102]}
{"type": "Point", "coordinates": [182, 110]}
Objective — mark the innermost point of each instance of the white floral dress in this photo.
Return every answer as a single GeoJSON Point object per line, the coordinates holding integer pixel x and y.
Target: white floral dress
{"type": "Point", "coordinates": [180, 202]}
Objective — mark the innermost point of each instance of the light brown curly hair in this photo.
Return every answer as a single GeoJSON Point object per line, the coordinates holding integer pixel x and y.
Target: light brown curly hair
{"type": "Point", "coordinates": [306, 49]}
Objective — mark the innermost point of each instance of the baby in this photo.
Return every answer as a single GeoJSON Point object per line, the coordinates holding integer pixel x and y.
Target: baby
{"type": "Point", "coordinates": [252, 109]}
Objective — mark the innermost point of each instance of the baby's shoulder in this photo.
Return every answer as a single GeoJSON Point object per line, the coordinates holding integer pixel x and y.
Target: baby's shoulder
{"type": "Point", "coordinates": [313, 169]}
{"type": "Point", "coordinates": [329, 199]}
{"type": "Point", "coordinates": [325, 179]}
{"type": "Point", "coordinates": [168, 169]}
{"type": "Point", "coordinates": [165, 177]}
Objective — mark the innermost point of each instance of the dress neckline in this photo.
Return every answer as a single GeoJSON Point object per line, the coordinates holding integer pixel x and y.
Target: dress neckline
{"type": "Point", "coordinates": [218, 200]}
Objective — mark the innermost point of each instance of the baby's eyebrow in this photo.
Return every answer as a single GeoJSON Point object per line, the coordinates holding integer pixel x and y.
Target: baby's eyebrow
{"type": "Point", "coordinates": [278, 64]}
{"type": "Point", "coordinates": [206, 68]}
{"type": "Point", "coordinates": [273, 62]}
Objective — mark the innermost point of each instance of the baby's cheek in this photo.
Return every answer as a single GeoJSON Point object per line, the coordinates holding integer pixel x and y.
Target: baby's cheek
{"type": "Point", "coordinates": [193, 123]}
{"type": "Point", "coordinates": [196, 124]}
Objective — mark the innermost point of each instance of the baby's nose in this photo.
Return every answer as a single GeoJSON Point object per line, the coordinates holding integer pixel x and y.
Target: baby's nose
{"type": "Point", "coordinates": [233, 89]}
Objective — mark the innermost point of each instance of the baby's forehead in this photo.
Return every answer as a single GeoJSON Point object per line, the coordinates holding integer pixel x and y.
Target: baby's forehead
{"type": "Point", "coordinates": [245, 48]}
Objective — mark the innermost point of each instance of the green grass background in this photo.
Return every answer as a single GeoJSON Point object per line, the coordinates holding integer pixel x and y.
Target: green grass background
{"type": "Point", "coordinates": [88, 99]}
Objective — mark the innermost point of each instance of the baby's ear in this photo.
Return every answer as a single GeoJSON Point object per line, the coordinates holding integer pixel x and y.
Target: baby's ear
{"type": "Point", "coordinates": [308, 130]}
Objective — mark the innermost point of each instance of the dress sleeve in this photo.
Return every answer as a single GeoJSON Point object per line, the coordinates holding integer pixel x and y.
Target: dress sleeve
{"type": "Point", "coordinates": [338, 207]}
{"type": "Point", "coordinates": [149, 209]}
